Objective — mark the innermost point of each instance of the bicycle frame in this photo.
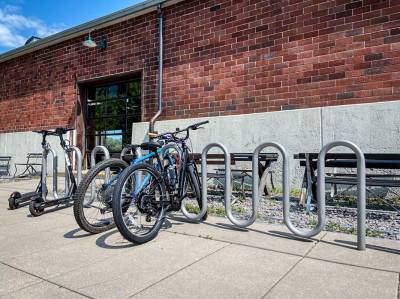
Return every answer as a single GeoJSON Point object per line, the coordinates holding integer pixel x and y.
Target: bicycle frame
{"type": "Point", "coordinates": [134, 162]}
{"type": "Point", "coordinates": [179, 144]}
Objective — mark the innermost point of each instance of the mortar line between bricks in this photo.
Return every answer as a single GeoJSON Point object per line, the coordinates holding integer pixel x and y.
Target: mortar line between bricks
{"type": "Point", "coordinates": [290, 270]}
{"type": "Point", "coordinates": [288, 253]}
{"type": "Point", "coordinates": [46, 280]}
{"type": "Point", "coordinates": [179, 270]}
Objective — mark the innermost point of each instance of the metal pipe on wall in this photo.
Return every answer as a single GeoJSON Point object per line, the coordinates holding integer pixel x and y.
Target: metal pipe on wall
{"type": "Point", "coordinates": [160, 68]}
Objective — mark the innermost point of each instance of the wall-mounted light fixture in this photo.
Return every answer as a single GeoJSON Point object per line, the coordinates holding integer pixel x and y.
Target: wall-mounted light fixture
{"type": "Point", "coordinates": [90, 43]}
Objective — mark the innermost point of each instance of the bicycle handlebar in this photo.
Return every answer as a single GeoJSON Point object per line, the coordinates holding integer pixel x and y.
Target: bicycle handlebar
{"type": "Point", "coordinates": [56, 132]}
{"type": "Point", "coordinates": [173, 134]}
{"type": "Point", "coordinates": [196, 126]}
{"type": "Point", "coordinates": [191, 127]}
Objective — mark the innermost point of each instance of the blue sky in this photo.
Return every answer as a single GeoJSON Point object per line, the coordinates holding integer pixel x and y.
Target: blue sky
{"type": "Point", "coordinates": [20, 19]}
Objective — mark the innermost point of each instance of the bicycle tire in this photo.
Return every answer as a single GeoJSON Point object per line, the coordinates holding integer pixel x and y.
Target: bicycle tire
{"type": "Point", "coordinates": [79, 196]}
{"type": "Point", "coordinates": [118, 212]}
{"type": "Point", "coordinates": [194, 181]}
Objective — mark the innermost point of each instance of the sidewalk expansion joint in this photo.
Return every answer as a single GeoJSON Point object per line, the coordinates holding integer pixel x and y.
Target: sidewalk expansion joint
{"type": "Point", "coordinates": [290, 270]}
{"type": "Point", "coordinates": [234, 243]}
{"type": "Point", "coordinates": [179, 270]}
{"type": "Point", "coordinates": [42, 280]}
{"type": "Point", "coordinates": [343, 263]}
{"type": "Point", "coordinates": [285, 252]}
{"type": "Point", "coordinates": [398, 288]}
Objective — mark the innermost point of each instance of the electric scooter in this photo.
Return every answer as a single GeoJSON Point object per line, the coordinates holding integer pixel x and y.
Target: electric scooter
{"type": "Point", "coordinates": [38, 200]}
{"type": "Point", "coordinates": [18, 199]}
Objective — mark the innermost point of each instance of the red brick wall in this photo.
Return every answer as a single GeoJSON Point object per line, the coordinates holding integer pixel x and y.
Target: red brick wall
{"type": "Point", "coordinates": [221, 58]}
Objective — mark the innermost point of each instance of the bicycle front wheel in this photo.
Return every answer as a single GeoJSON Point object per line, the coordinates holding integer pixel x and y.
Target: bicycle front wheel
{"type": "Point", "coordinates": [139, 203]}
{"type": "Point", "coordinates": [93, 197]}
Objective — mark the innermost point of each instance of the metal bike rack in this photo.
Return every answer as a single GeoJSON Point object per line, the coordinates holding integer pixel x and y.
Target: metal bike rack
{"type": "Point", "coordinates": [361, 230]}
{"type": "Point", "coordinates": [78, 163]}
{"type": "Point", "coordinates": [44, 172]}
{"type": "Point", "coordinates": [305, 233]}
{"type": "Point", "coordinates": [228, 190]}
{"type": "Point", "coordinates": [55, 171]}
{"type": "Point", "coordinates": [361, 187]}
{"type": "Point", "coordinates": [97, 149]}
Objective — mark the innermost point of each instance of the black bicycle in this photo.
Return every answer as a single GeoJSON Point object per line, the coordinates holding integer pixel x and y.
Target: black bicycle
{"type": "Point", "coordinates": [144, 192]}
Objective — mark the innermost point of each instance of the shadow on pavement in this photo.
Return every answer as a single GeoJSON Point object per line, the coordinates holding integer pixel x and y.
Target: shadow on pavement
{"type": "Point", "coordinates": [102, 241]}
{"type": "Point", "coordinates": [290, 236]}
{"type": "Point", "coordinates": [73, 234]}
{"type": "Point", "coordinates": [180, 219]}
{"type": "Point", "coordinates": [167, 224]}
{"type": "Point", "coordinates": [353, 245]}
{"type": "Point", "coordinates": [57, 208]}
{"type": "Point", "coordinates": [269, 233]}
{"type": "Point", "coordinates": [122, 243]}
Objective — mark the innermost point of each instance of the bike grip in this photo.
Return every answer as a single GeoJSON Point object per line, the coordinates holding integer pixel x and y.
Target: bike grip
{"type": "Point", "coordinates": [202, 123]}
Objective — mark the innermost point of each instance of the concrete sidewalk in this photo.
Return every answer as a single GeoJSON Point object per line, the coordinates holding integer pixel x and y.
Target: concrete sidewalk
{"type": "Point", "coordinates": [50, 257]}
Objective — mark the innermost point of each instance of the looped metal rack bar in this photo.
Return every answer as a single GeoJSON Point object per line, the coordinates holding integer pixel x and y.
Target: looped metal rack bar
{"type": "Point", "coordinates": [306, 233]}
{"type": "Point", "coordinates": [361, 187]}
{"type": "Point", "coordinates": [104, 150]}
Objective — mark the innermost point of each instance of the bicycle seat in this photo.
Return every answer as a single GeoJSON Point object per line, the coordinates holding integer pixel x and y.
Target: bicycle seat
{"type": "Point", "coordinates": [132, 147]}
{"type": "Point", "coordinates": [151, 146]}
{"type": "Point", "coordinates": [129, 157]}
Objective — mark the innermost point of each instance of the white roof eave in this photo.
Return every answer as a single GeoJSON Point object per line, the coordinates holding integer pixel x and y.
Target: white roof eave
{"type": "Point", "coordinates": [108, 20]}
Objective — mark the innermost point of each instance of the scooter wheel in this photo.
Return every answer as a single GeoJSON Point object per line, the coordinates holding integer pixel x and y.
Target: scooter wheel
{"type": "Point", "coordinates": [34, 207]}
{"type": "Point", "coordinates": [12, 204]}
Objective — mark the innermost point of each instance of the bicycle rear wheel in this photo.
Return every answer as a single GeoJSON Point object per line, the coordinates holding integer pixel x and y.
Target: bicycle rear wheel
{"type": "Point", "coordinates": [93, 197]}
{"type": "Point", "coordinates": [139, 204]}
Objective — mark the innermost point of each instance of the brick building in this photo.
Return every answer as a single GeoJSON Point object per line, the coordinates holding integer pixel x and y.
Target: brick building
{"type": "Point", "coordinates": [221, 58]}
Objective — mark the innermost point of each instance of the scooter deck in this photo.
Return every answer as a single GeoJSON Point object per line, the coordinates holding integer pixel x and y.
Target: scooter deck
{"type": "Point", "coordinates": [25, 199]}
{"type": "Point", "coordinates": [56, 202]}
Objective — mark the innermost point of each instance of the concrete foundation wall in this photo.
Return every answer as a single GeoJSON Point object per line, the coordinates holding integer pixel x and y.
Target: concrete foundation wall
{"type": "Point", "coordinates": [19, 144]}
{"type": "Point", "coordinates": [374, 127]}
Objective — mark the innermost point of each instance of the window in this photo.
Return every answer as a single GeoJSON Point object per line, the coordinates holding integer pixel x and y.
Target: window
{"type": "Point", "coordinates": [110, 111]}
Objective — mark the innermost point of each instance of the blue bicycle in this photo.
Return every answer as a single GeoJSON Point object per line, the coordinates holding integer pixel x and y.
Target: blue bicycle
{"type": "Point", "coordinates": [167, 162]}
{"type": "Point", "coordinates": [145, 193]}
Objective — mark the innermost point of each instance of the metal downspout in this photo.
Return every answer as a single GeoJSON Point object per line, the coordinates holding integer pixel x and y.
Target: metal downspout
{"type": "Point", "coordinates": [160, 69]}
